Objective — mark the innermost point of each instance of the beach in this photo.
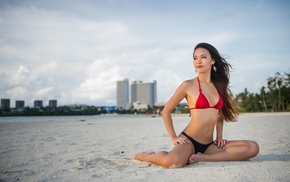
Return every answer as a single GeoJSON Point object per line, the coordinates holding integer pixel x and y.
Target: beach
{"type": "Point", "coordinates": [101, 148]}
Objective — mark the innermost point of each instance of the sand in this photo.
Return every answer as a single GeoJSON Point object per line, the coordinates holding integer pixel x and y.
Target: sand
{"type": "Point", "coordinates": [101, 148]}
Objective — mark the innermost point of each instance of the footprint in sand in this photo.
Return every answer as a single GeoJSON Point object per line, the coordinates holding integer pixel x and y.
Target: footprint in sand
{"type": "Point", "coordinates": [119, 164]}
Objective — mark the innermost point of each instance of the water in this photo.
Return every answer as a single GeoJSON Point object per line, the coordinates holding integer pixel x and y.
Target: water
{"type": "Point", "coordinates": [10, 119]}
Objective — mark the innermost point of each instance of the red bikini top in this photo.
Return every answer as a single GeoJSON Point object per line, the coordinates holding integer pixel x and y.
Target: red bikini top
{"type": "Point", "coordinates": [202, 102]}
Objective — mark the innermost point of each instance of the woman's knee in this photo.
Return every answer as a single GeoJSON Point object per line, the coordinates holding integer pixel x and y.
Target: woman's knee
{"type": "Point", "coordinates": [254, 148]}
{"type": "Point", "coordinates": [173, 163]}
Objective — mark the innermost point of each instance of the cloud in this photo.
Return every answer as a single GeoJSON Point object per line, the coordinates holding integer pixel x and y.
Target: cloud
{"type": "Point", "coordinates": [19, 76]}
{"type": "Point", "coordinates": [44, 92]}
{"type": "Point", "coordinates": [99, 83]}
{"type": "Point", "coordinates": [18, 92]}
{"type": "Point", "coordinates": [53, 54]}
{"type": "Point", "coordinates": [168, 81]}
{"type": "Point", "coordinates": [57, 35]}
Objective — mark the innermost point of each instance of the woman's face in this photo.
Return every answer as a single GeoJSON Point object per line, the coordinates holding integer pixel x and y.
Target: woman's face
{"type": "Point", "coordinates": [202, 60]}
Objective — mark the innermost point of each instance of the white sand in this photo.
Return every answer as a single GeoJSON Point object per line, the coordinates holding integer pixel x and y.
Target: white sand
{"type": "Point", "coordinates": [102, 148]}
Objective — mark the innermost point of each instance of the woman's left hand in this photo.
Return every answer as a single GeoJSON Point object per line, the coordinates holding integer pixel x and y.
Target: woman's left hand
{"type": "Point", "coordinates": [220, 143]}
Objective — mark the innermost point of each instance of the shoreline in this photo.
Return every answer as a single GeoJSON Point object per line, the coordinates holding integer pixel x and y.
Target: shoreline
{"type": "Point", "coordinates": [116, 114]}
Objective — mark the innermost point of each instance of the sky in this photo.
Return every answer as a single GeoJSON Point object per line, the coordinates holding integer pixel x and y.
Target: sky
{"type": "Point", "coordinates": [75, 51]}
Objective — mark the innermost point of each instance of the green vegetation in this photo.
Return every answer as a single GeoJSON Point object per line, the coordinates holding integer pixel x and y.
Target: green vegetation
{"type": "Point", "coordinates": [72, 110]}
{"type": "Point", "coordinates": [274, 97]}
{"type": "Point", "coordinates": [59, 111]}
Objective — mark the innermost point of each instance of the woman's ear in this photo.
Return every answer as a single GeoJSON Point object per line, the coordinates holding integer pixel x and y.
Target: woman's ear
{"type": "Point", "coordinates": [212, 61]}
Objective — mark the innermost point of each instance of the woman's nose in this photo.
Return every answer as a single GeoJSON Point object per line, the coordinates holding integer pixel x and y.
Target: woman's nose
{"type": "Point", "coordinates": [199, 60]}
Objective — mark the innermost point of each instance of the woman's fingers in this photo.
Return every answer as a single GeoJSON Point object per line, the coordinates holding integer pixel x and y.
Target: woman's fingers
{"type": "Point", "coordinates": [181, 140]}
{"type": "Point", "coordinates": [221, 143]}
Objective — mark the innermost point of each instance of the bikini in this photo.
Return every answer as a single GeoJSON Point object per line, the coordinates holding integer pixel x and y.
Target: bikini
{"type": "Point", "coordinates": [202, 103]}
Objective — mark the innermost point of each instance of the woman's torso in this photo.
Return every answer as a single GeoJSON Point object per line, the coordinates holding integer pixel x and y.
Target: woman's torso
{"type": "Point", "coordinates": [203, 120]}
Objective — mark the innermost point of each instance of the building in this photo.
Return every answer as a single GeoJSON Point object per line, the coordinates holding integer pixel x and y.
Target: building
{"type": "Point", "coordinates": [19, 104]}
{"type": "Point", "coordinates": [52, 103]}
{"type": "Point", "coordinates": [38, 104]}
{"type": "Point", "coordinates": [5, 103]}
{"type": "Point", "coordinates": [122, 93]}
{"type": "Point", "coordinates": [144, 93]}
{"type": "Point", "coordinates": [140, 106]}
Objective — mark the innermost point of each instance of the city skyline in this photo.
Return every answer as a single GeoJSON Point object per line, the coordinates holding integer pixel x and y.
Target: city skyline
{"type": "Point", "coordinates": [7, 103]}
{"type": "Point", "coordinates": [139, 93]}
{"type": "Point", "coordinates": [128, 98]}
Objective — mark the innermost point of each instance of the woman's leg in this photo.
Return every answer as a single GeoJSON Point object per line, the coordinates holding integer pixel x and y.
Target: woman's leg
{"type": "Point", "coordinates": [177, 157]}
{"type": "Point", "coordinates": [234, 151]}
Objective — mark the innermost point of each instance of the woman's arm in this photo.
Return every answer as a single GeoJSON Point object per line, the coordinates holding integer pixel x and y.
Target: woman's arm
{"type": "Point", "coordinates": [220, 142]}
{"type": "Point", "coordinates": [177, 97]}
{"type": "Point", "coordinates": [219, 128]}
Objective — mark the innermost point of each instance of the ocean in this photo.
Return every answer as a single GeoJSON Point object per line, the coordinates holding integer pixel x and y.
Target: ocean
{"type": "Point", "coordinates": [111, 117]}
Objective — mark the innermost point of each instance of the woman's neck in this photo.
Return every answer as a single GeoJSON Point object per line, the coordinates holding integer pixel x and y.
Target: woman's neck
{"type": "Point", "coordinates": [204, 78]}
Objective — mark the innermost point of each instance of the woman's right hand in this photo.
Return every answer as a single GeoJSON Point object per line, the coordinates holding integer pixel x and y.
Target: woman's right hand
{"type": "Point", "coordinates": [179, 140]}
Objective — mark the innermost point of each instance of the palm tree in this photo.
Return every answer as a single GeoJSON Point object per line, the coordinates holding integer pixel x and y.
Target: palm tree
{"type": "Point", "coordinates": [271, 83]}
{"type": "Point", "coordinates": [263, 97]}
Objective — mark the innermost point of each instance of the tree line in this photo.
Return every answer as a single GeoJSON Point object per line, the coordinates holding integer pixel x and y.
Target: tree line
{"type": "Point", "coordinates": [273, 97]}
{"type": "Point", "coordinates": [70, 111]}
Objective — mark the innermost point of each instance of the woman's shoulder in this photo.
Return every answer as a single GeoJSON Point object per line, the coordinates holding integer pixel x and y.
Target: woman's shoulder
{"type": "Point", "coordinates": [190, 82]}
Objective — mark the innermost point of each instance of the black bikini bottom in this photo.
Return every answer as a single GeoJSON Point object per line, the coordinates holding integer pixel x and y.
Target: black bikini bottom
{"type": "Point", "coordinates": [197, 146]}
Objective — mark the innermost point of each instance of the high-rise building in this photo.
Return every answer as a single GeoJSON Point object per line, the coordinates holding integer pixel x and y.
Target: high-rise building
{"type": "Point", "coordinates": [144, 93]}
{"type": "Point", "coordinates": [5, 103]}
{"type": "Point", "coordinates": [38, 104]}
{"type": "Point", "coordinates": [123, 93]}
{"type": "Point", "coordinates": [52, 103]}
{"type": "Point", "coordinates": [19, 104]}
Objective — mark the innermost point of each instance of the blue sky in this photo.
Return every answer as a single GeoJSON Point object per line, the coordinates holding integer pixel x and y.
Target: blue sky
{"type": "Point", "coordinates": [75, 51]}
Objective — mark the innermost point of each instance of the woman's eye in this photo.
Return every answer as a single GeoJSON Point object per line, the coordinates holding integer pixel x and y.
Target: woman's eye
{"type": "Point", "coordinates": [194, 58]}
{"type": "Point", "coordinates": [203, 57]}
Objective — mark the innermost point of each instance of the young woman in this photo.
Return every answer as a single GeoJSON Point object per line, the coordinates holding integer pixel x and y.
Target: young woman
{"type": "Point", "coordinates": [210, 102]}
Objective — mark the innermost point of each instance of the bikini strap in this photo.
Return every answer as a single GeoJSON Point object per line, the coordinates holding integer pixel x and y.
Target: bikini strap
{"type": "Point", "coordinates": [199, 84]}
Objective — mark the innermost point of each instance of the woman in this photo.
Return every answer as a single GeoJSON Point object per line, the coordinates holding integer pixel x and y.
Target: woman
{"type": "Point", "coordinates": [210, 102]}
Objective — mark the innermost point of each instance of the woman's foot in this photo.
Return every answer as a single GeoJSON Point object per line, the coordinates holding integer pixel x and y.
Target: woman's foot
{"type": "Point", "coordinates": [142, 155]}
{"type": "Point", "coordinates": [195, 158]}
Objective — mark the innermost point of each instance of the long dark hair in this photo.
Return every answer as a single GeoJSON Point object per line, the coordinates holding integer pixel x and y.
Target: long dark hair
{"type": "Point", "coordinates": [221, 79]}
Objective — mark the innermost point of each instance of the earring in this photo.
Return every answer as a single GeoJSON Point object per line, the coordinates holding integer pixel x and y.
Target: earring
{"type": "Point", "coordinates": [214, 68]}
